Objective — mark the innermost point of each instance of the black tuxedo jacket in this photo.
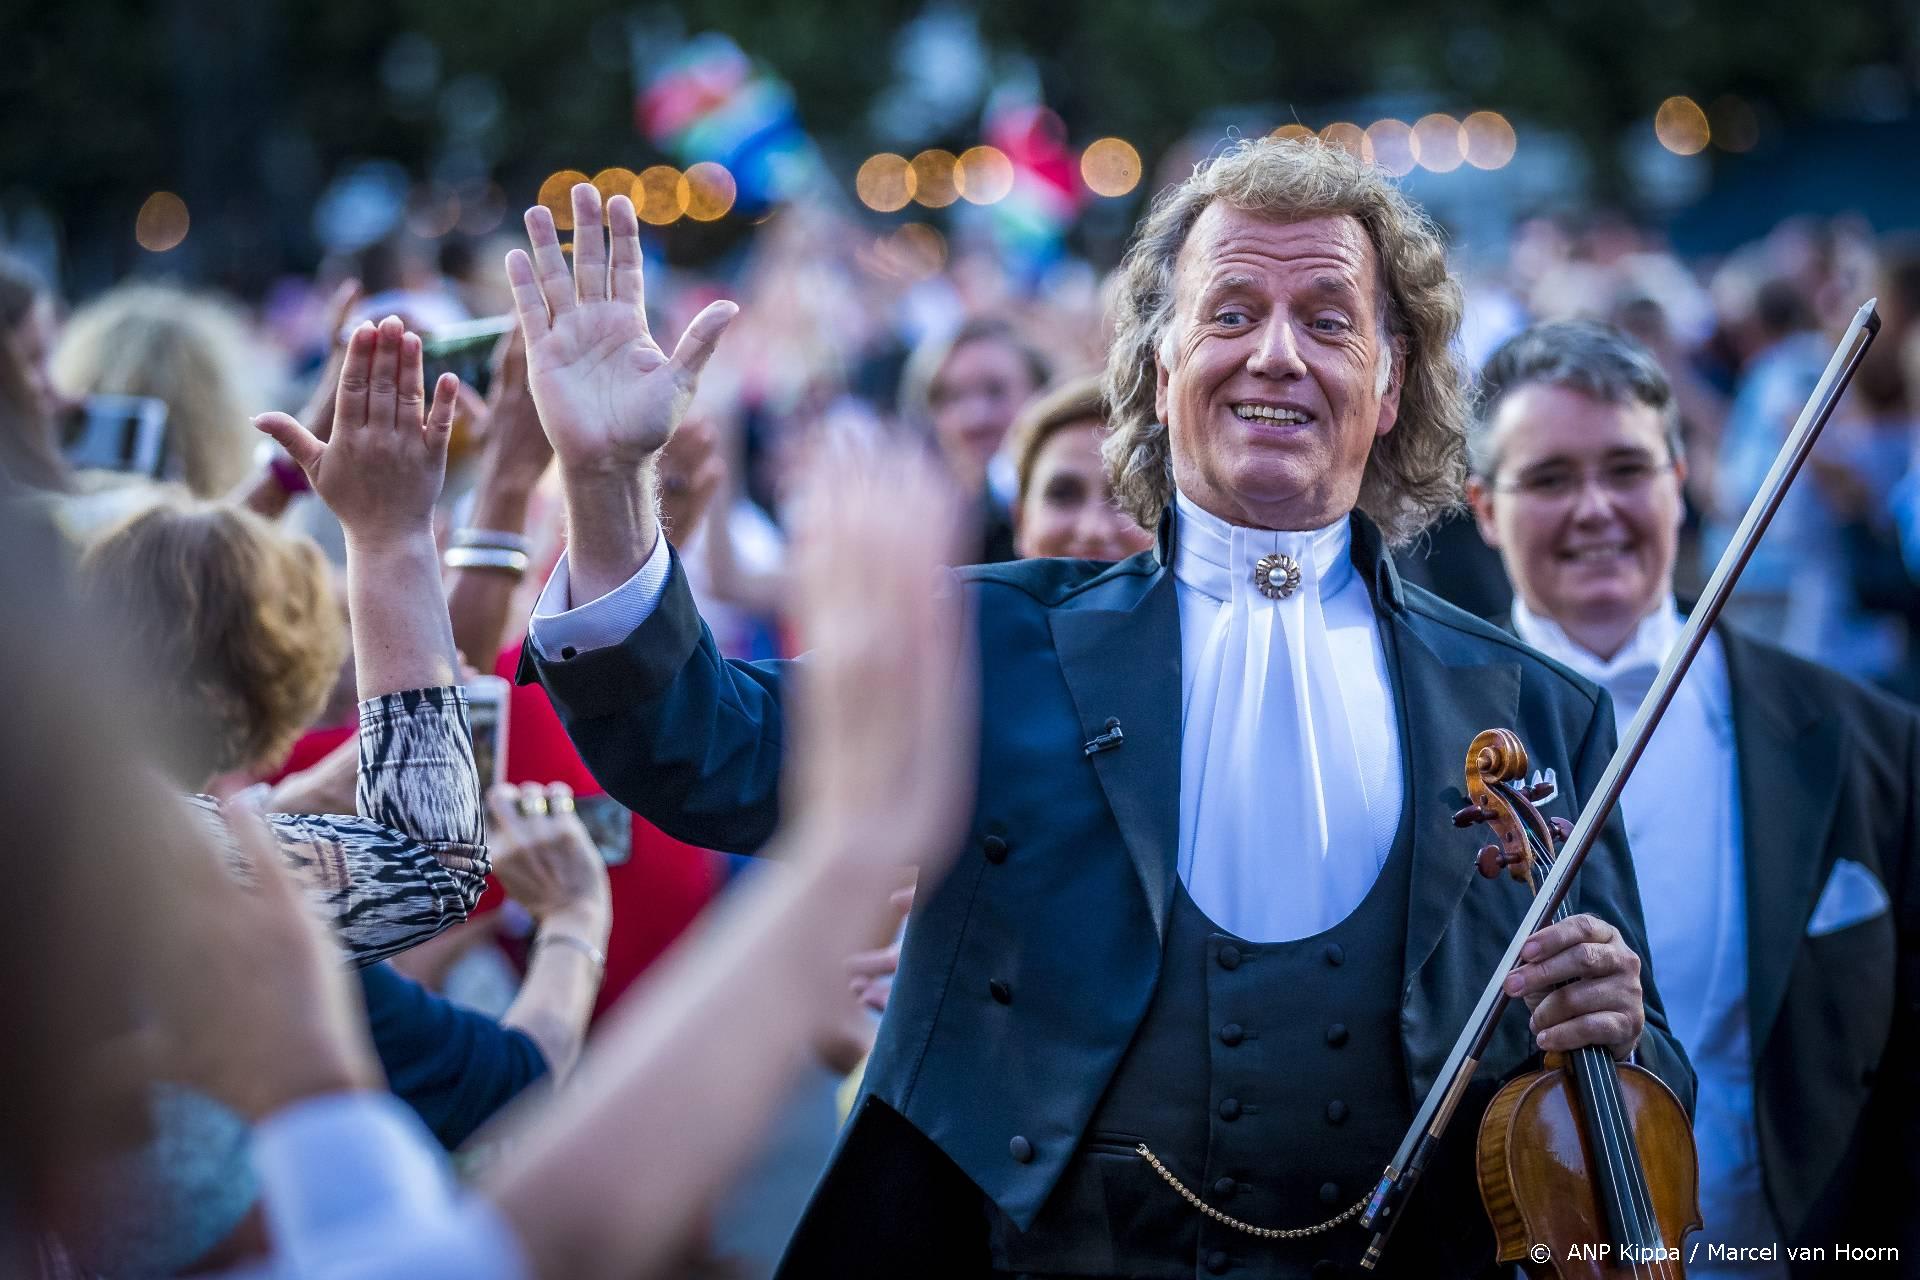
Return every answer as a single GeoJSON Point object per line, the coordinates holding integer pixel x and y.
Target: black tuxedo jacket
{"type": "Point", "coordinates": [1062, 890]}
{"type": "Point", "coordinates": [1830, 770]}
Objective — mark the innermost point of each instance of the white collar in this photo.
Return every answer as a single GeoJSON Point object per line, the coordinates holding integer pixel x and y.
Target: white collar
{"type": "Point", "coordinates": [1216, 557]}
{"type": "Point", "coordinates": [1638, 663]}
{"type": "Point", "coordinates": [1652, 637]}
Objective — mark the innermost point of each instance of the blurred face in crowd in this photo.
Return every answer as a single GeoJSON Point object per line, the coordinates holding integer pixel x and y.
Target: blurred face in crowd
{"type": "Point", "coordinates": [32, 340]}
{"type": "Point", "coordinates": [974, 399]}
{"type": "Point", "coordinates": [1067, 509]}
{"type": "Point", "coordinates": [1584, 506]}
{"type": "Point", "coordinates": [1271, 378]}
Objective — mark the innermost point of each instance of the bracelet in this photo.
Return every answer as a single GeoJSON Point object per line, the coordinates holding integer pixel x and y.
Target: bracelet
{"type": "Point", "coordinates": [581, 945]}
{"type": "Point", "coordinates": [514, 562]}
{"type": "Point", "coordinates": [495, 539]}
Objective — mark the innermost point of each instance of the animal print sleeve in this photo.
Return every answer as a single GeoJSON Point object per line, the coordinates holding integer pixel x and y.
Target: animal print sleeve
{"type": "Point", "coordinates": [415, 860]}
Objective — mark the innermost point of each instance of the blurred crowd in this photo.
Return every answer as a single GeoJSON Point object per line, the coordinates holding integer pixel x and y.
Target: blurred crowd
{"type": "Point", "coordinates": [899, 333]}
{"type": "Point", "coordinates": [290, 643]}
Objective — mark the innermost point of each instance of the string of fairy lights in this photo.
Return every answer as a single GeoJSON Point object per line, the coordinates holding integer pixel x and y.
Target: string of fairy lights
{"type": "Point", "coordinates": [1109, 167]}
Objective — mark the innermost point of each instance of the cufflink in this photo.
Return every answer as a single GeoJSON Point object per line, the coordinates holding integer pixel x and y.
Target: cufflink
{"type": "Point", "coordinates": [1277, 576]}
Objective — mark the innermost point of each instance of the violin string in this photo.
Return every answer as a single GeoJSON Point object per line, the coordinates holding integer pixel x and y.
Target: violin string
{"type": "Point", "coordinates": [1614, 1137]}
{"type": "Point", "coordinates": [1601, 1139]}
{"type": "Point", "coordinates": [1623, 1164]}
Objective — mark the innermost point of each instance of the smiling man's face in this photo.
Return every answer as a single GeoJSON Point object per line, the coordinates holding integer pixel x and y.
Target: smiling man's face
{"type": "Point", "coordinates": [1584, 506]}
{"type": "Point", "coordinates": [1271, 383]}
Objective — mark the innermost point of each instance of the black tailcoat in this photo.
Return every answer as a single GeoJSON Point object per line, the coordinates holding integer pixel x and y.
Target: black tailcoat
{"type": "Point", "coordinates": [1830, 770]}
{"type": "Point", "coordinates": [1061, 892]}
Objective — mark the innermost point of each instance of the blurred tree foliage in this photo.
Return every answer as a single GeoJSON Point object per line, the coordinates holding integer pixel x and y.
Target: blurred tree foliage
{"type": "Point", "coordinates": [246, 109]}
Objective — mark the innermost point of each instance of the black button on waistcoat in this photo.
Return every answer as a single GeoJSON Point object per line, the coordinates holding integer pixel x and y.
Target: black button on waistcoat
{"type": "Point", "coordinates": [1000, 991]}
{"type": "Point", "coordinates": [1223, 1188]}
{"type": "Point", "coordinates": [1217, 1262]}
{"type": "Point", "coordinates": [1231, 1034]}
{"type": "Point", "coordinates": [1329, 1192]}
{"type": "Point", "coordinates": [1336, 1111]}
{"type": "Point", "coordinates": [1337, 1034]}
{"type": "Point", "coordinates": [1229, 957]}
{"type": "Point", "coordinates": [1230, 1109]}
{"type": "Point", "coordinates": [1336, 954]}
{"type": "Point", "coordinates": [1020, 1149]}
{"type": "Point", "coordinates": [995, 848]}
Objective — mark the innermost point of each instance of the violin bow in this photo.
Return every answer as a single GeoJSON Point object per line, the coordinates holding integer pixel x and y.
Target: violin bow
{"type": "Point", "coordinates": [1401, 1176]}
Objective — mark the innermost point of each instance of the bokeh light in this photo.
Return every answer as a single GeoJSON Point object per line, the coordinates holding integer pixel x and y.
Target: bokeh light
{"type": "Point", "coordinates": [1438, 145]}
{"type": "Point", "coordinates": [661, 194]}
{"type": "Point", "coordinates": [161, 223]}
{"type": "Point", "coordinates": [1350, 138]}
{"type": "Point", "coordinates": [983, 175]}
{"type": "Point", "coordinates": [885, 182]}
{"type": "Point", "coordinates": [1391, 144]}
{"type": "Point", "coordinates": [1681, 126]}
{"type": "Point", "coordinates": [933, 178]}
{"type": "Point", "coordinates": [1110, 167]}
{"type": "Point", "coordinates": [616, 181]}
{"type": "Point", "coordinates": [433, 210]}
{"type": "Point", "coordinates": [710, 191]}
{"type": "Point", "coordinates": [483, 207]}
{"type": "Point", "coordinates": [1291, 132]}
{"type": "Point", "coordinates": [556, 193]}
{"type": "Point", "coordinates": [1489, 141]}
{"type": "Point", "coordinates": [1734, 124]}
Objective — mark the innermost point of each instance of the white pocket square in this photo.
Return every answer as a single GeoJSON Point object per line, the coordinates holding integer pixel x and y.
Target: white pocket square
{"type": "Point", "coordinates": [1853, 894]}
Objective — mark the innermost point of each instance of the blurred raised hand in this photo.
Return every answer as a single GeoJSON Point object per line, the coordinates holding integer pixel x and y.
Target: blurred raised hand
{"type": "Point", "coordinates": [884, 705]}
{"type": "Point", "coordinates": [691, 472]}
{"type": "Point", "coordinates": [608, 393]}
{"type": "Point", "coordinates": [516, 450]}
{"type": "Point", "coordinates": [269, 1015]}
{"type": "Point", "coordinates": [318, 413]}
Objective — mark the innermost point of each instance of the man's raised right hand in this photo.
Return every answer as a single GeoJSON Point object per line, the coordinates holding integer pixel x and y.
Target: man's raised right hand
{"type": "Point", "coordinates": [608, 395]}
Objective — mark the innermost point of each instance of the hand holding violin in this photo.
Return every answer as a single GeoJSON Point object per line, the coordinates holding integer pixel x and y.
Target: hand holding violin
{"type": "Point", "coordinates": [1582, 982]}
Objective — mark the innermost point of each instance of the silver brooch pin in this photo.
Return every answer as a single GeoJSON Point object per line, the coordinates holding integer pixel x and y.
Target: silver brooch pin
{"type": "Point", "coordinates": [1277, 576]}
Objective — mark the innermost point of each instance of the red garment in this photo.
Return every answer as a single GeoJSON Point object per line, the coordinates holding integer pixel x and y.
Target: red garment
{"type": "Point", "coordinates": [657, 892]}
{"type": "Point", "coordinates": [313, 746]}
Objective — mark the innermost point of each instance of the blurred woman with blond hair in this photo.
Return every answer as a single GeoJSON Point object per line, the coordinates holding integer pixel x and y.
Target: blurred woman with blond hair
{"type": "Point", "coordinates": [185, 349]}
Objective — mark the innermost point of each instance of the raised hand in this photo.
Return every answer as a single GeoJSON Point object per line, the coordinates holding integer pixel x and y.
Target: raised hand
{"type": "Point", "coordinates": [318, 413]}
{"type": "Point", "coordinates": [609, 396]}
{"type": "Point", "coordinates": [382, 469]}
{"type": "Point", "coordinates": [880, 768]}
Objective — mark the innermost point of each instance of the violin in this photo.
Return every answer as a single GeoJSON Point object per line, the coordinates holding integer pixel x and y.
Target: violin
{"type": "Point", "coordinates": [1587, 1162]}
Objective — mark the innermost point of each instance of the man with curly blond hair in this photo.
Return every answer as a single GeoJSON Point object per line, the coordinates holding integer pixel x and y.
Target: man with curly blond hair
{"type": "Point", "coordinates": [1213, 934]}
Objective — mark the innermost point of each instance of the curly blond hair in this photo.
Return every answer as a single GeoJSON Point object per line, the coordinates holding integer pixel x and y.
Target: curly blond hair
{"type": "Point", "coordinates": [1416, 471]}
{"type": "Point", "coordinates": [235, 622]}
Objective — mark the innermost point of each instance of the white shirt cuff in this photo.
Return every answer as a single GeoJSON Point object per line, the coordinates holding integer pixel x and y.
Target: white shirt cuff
{"type": "Point", "coordinates": [561, 629]}
{"type": "Point", "coordinates": [352, 1181]}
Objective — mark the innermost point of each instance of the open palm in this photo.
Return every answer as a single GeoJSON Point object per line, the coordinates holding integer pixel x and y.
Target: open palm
{"type": "Point", "coordinates": [607, 394]}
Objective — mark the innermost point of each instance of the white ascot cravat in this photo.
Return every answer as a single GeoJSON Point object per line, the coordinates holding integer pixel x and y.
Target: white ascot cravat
{"type": "Point", "coordinates": [1289, 753]}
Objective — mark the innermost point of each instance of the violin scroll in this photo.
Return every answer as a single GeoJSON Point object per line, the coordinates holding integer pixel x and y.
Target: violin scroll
{"type": "Point", "coordinates": [1496, 757]}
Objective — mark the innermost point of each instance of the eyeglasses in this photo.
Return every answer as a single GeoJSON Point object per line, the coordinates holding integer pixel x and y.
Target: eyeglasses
{"type": "Point", "coordinates": [1557, 482]}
